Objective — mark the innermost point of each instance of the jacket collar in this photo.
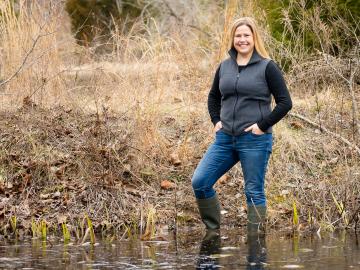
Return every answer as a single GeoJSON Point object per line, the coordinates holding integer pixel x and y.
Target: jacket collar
{"type": "Point", "coordinates": [255, 57]}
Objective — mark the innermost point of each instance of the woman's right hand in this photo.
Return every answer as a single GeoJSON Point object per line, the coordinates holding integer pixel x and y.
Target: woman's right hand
{"type": "Point", "coordinates": [217, 127]}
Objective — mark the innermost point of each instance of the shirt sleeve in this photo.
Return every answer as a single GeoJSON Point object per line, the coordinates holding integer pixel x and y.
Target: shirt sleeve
{"type": "Point", "coordinates": [214, 99]}
{"type": "Point", "coordinates": [279, 90]}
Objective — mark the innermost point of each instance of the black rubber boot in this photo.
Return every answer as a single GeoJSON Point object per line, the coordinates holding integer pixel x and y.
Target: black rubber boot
{"type": "Point", "coordinates": [210, 212]}
{"type": "Point", "coordinates": [256, 219]}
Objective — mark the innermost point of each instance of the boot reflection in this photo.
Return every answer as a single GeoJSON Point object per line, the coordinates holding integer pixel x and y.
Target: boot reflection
{"type": "Point", "coordinates": [256, 248]}
{"type": "Point", "coordinates": [210, 245]}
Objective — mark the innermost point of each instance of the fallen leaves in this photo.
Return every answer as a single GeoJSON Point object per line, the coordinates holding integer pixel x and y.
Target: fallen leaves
{"type": "Point", "coordinates": [296, 125]}
{"type": "Point", "coordinates": [224, 179]}
{"type": "Point", "coordinates": [167, 185]}
{"type": "Point", "coordinates": [133, 190]}
{"type": "Point", "coordinates": [174, 159]}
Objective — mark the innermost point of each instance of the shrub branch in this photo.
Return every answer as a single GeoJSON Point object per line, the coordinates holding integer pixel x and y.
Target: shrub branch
{"type": "Point", "coordinates": [322, 128]}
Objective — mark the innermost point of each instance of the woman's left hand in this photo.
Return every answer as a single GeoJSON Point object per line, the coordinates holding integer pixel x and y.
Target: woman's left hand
{"type": "Point", "coordinates": [254, 129]}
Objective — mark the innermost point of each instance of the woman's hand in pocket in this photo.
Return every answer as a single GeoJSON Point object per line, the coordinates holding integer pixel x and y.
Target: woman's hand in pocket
{"type": "Point", "coordinates": [217, 127]}
{"type": "Point", "coordinates": [255, 129]}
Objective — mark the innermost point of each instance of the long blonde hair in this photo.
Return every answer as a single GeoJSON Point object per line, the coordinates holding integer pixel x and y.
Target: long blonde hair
{"type": "Point", "coordinates": [251, 23]}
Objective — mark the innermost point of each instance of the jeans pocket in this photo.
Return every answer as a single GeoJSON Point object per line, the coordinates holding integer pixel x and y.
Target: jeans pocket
{"type": "Point", "coordinates": [256, 135]}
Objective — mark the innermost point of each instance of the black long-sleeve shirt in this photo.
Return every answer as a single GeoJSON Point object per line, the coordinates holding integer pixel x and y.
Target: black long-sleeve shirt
{"type": "Point", "coordinates": [277, 87]}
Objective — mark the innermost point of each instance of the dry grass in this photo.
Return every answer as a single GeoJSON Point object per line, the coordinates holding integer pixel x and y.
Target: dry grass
{"type": "Point", "coordinates": [104, 129]}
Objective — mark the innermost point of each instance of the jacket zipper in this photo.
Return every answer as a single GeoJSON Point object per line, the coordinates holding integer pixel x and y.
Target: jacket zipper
{"type": "Point", "coordinates": [237, 97]}
{"type": "Point", "coordinates": [261, 111]}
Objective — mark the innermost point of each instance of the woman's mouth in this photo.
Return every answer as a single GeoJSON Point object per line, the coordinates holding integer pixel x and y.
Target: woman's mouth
{"type": "Point", "coordinates": [243, 45]}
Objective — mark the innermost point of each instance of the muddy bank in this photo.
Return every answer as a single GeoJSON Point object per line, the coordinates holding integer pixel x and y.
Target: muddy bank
{"type": "Point", "coordinates": [59, 164]}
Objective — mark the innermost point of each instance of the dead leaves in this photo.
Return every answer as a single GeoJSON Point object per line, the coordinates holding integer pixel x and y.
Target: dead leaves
{"type": "Point", "coordinates": [131, 189]}
{"type": "Point", "coordinates": [50, 196]}
{"type": "Point", "coordinates": [58, 171]}
{"type": "Point", "coordinates": [296, 125]}
{"type": "Point", "coordinates": [224, 179]}
{"type": "Point", "coordinates": [167, 185]}
{"type": "Point", "coordinates": [28, 103]}
{"type": "Point", "coordinates": [174, 159]}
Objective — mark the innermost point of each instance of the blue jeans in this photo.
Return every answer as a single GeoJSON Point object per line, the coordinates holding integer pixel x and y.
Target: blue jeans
{"type": "Point", "coordinates": [253, 152]}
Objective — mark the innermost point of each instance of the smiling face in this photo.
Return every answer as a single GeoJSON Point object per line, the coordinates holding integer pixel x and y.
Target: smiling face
{"type": "Point", "coordinates": [244, 40]}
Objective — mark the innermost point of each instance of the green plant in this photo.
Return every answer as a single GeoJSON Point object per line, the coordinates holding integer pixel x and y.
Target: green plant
{"type": "Point", "coordinates": [43, 227]}
{"type": "Point", "coordinates": [91, 229]}
{"type": "Point", "coordinates": [341, 209]}
{"type": "Point", "coordinates": [66, 233]}
{"type": "Point", "coordinates": [34, 228]}
{"type": "Point", "coordinates": [13, 223]}
{"type": "Point", "coordinates": [295, 216]}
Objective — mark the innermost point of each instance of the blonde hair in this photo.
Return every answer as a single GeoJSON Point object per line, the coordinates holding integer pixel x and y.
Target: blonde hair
{"type": "Point", "coordinates": [251, 23]}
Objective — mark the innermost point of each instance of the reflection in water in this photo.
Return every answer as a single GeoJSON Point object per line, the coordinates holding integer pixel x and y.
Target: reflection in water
{"type": "Point", "coordinates": [210, 246]}
{"type": "Point", "coordinates": [256, 251]}
{"type": "Point", "coordinates": [228, 251]}
{"type": "Point", "coordinates": [210, 251]}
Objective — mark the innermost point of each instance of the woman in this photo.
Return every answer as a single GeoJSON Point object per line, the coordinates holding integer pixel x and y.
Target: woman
{"type": "Point", "coordinates": [239, 107]}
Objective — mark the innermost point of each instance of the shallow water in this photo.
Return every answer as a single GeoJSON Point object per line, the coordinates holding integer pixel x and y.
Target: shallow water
{"type": "Point", "coordinates": [230, 250]}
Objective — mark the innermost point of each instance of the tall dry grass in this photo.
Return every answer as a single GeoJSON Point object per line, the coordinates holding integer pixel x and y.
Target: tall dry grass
{"type": "Point", "coordinates": [137, 115]}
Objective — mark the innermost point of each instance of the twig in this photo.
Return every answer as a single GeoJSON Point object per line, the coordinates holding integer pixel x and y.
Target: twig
{"type": "Point", "coordinates": [354, 217]}
{"type": "Point", "coordinates": [28, 53]}
{"type": "Point", "coordinates": [141, 215]}
{"type": "Point", "coordinates": [44, 82]}
{"type": "Point", "coordinates": [350, 83]}
{"type": "Point", "coordinates": [133, 147]}
{"type": "Point", "coordinates": [259, 216]}
{"type": "Point", "coordinates": [257, 212]}
{"type": "Point", "coordinates": [322, 128]}
{"type": "Point", "coordinates": [23, 62]}
{"type": "Point", "coordinates": [350, 80]}
{"type": "Point", "coordinates": [172, 13]}
{"type": "Point", "coordinates": [175, 221]}
{"type": "Point", "coordinates": [132, 173]}
{"type": "Point", "coordinates": [352, 93]}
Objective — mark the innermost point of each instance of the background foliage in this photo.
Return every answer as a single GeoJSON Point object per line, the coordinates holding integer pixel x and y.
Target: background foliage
{"type": "Point", "coordinates": [286, 17]}
{"type": "Point", "coordinates": [91, 18]}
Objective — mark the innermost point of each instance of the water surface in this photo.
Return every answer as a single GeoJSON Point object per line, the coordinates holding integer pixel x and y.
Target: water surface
{"type": "Point", "coordinates": [191, 250]}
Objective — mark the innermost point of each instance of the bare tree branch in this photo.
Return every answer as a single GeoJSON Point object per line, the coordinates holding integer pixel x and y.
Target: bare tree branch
{"type": "Point", "coordinates": [23, 62]}
{"type": "Point", "coordinates": [172, 13]}
{"type": "Point", "coordinates": [349, 81]}
{"type": "Point", "coordinates": [29, 52]}
{"type": "Point", "coordinates": [322, 128]}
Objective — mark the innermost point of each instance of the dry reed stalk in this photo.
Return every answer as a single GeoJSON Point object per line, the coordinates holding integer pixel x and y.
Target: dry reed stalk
{"type": "Point", "coordinates": [30, 51]}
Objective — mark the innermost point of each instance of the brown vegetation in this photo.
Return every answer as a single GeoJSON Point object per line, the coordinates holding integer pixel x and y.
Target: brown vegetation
{"type": "Point", "coordinates": [83, 133]}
